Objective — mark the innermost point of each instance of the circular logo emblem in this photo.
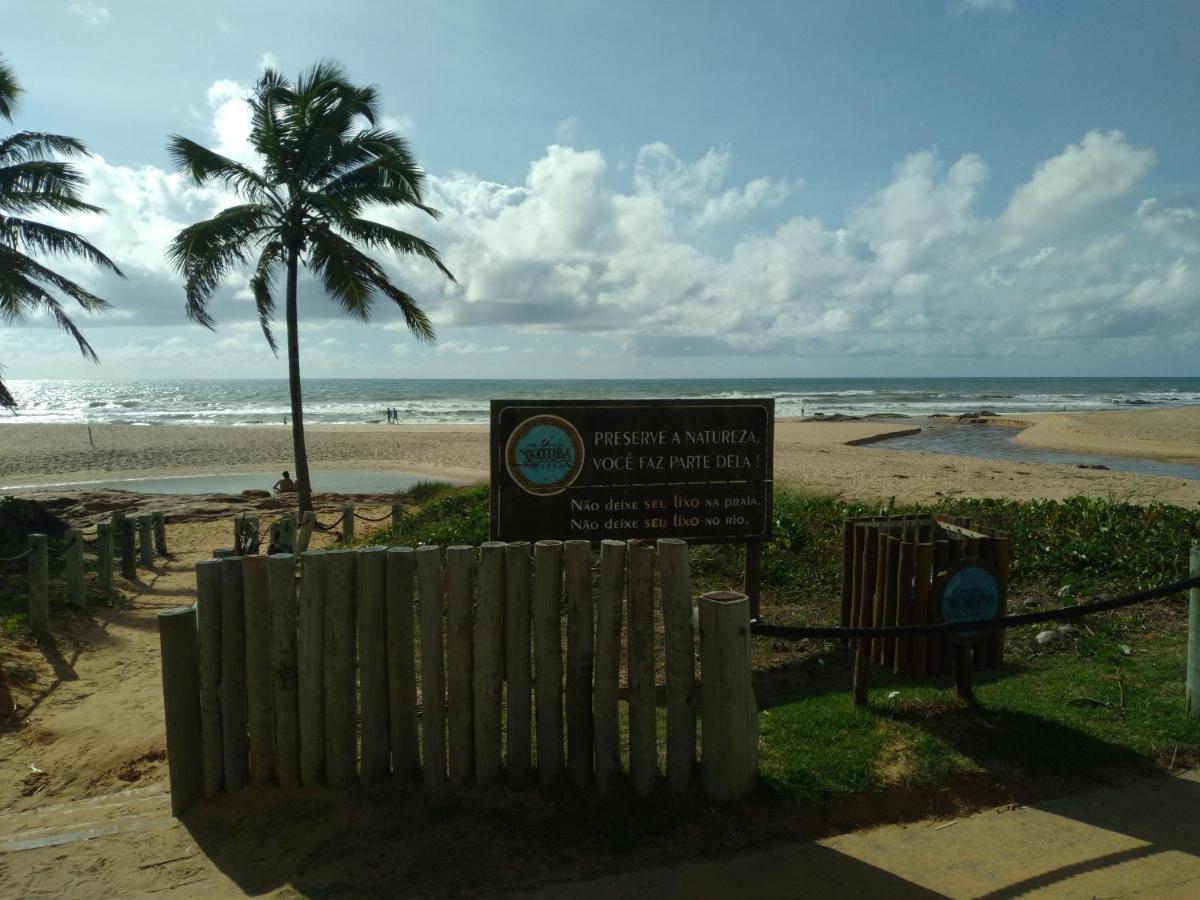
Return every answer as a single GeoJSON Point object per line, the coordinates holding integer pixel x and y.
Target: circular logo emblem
{"type": "Point", "coordinates": [969, 593]}
{"type": "Point", "coordinates": [544, 454]}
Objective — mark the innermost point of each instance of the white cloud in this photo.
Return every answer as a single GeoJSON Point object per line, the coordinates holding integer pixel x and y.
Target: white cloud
{"type": "Point", "coordinates": [92, 13]}
{"type": "Point", "coordinates": [268, 61]}
{"type": "Point", "coordinates": [1178, 226]}
{"type": "Point", "coordinates": [967, 7]}
{"type": "Point", "coordinates": [565, 132]}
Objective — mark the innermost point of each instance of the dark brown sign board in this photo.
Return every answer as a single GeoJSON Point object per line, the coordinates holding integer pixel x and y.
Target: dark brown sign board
{"type": "Point", "coordinates": [593, 469]}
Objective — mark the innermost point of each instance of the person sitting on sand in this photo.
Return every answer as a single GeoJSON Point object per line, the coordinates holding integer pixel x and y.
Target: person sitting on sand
{"type": "Point", "coordinates": [285, 485]}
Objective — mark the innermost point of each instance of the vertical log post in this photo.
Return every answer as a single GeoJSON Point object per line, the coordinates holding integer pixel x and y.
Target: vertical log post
{"type": "Point", "coordinates": [281, 587]}
{"type": "Point", "coordinates": [348, 523]}
{"type": "Point", "coordinates": [208, 614]}
{"type": "Point", "coordinates": [310, 658]}
{"type": "Point", "coordinates": [397, 515]}
{"type": "Point", "coordinates": [233, 676]}
{"type": "Point", "coordinates": [580, 661]}
{"type": "Point", "coordinates": [159, 521]}
{"type": "Point", "coordinates": [868, 560]}
{"type": "Point", "coordinates": [518, 608]}
{"type": "Point", "coordinates": [460, 620]}
{"type": "Point", "coordinates": [104, 559]}
{"type": "Point", "coordinates": [680, 664]}
{"type": "Point", "coordinates": [729, 764]}
{"type": "Point", "coordinates": [145, 541]}
{"type": "Point", "coordinates": [941, 654]}
{"type": "Point", "coordinates": [181, 706]}
{"type": "Point", "coordinates": [891, 593]}
{"type": "Point", "coordinates": [1193, 655]}
{"type": "Point", "coordinates": [260, 696]}
{"type": "Point", "coordinates": [128, 548]}
{"type": "Point", "coordinates": [547, 633]}
{"type": "Point", "coordinates": [879, 592]}
{"type": "Point", "coordinates": [73, 566]}
{"type": "Point", "coordinates": [608, 667]}
{"type": "Point", "coordinates": [923, 581]}
{"type": "Point", "coordinates": [906, 564]}
{"type": "Point", "coordinates": [433, 690]}
{"type": "Point", "coordinates": [341, 713]}
{"type": "Point", "coordinates": [1001, 559]}
{"type": "Point", "coordinates": [489, 654]}
{"type": "Point", "coordinates": [847, 573]}
{"type": "Point", "coordinates": [963, 669]}
{"type": "Point", "coordinates": [39, 584]}
{"type": "Point", "coordinates": [643, 746]}
{"type": "Point", "coordinates": [372, 662]}
{"type": "Point", "coordinates": [753, 580]}
{"type": "Point", "coordinates": [401, 662]}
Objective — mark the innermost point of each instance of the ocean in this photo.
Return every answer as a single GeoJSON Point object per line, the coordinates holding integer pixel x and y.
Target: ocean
{"type": "Point", "coordinates": [451, 401]}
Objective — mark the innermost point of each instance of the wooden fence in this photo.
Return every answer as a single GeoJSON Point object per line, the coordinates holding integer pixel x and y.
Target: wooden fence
{"type": "Point", "coordinates": [450, 667]}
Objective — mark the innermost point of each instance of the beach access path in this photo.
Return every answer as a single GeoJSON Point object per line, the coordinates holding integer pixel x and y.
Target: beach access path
{"type": "Point", "coordinates": [813, 456]}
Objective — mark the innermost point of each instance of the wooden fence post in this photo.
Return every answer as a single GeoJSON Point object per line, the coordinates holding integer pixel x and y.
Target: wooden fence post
{"type": "Point", "coordinates": [1193, 657]}
{"type": "Point", "coordinates": [281, 587]}
{"type": "Point", "coordinates": [233, 675]}
{"type": "Point", "coordinates": [643, 745]}
{"type": "Point", "coordinates": [310, 659]}
{"type": "Point", "coordinates": [489, 651]}
{"type": "Point", "coordinates": [208, 614]}
{"type": "Point", "coordinates": [580, 661]}
{"type": "Point", "coordinates": [341, 712]}
{"type": "Point", "coordinates": [260, 697]}
{"type": "Point", "coordinates": [680, 664]}
{"type": "Point", "coordinates": [608, 667]}
{"type": "Point", "coordinates": [104, 559]}
{"type": "Point", "coordinates": [517, 662]}
{"type": "Point", "coordinates": [401, 662]}
{"type": "Point", "coordinates": [729, 763]}
{"type": "Point", "coordinates": [159, 521]}
{"type": "Point", "coordinates": [181, 706]}
{"type": "Point", "coordinates": [372, 662]}
{"type": "Point", "coordinates": [547, 634]}
{"type": "Point", "coordinates": [39, 584]}
{"type": "Point", "coordinates": [460, 621]}
{"type": "Point", "coordinates": [433, 690]}
{"type": "Point", "coordinates": [348, 523]}
{"type": "Point", "coordinates": [145, 541]}
{"type": "Point", "coordinates": [73, 565]}
{"type": "Point", "coordinates": [128, 549]}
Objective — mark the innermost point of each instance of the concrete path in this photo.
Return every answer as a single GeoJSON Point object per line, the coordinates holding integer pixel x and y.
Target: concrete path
{"type": "Point", "coordinates": [1136, 841]}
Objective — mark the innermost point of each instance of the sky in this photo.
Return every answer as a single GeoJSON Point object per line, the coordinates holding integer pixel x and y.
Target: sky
{"type": "Point", "coordinates": [667, 189]}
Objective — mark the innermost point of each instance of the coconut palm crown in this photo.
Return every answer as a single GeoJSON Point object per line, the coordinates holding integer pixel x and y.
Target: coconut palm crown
{"type": "Point", "coordinates": [322, 161]}
{"type": "Point", "coordinates": [33, 179]}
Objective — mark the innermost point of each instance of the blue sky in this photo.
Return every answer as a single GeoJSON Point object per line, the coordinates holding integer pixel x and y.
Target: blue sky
{"type": "Point", "coordinates": [674, 189]}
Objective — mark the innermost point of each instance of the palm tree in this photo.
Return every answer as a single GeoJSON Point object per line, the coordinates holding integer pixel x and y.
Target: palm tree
{"type": "Point", "coordinates": [322, 161]}
{"type": "Point", "coordinates": [31, 180]}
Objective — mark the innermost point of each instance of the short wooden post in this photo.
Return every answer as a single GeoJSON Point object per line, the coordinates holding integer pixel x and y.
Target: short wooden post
{"type": "Point", "coordinates": [159, 521]}
{"type": "Point", "coordinates": [401, 662]}
{"type": "Point", "coordinates": [104, 559]}
{"type": "Point", "coordinates": [489, 651]}
{"type": "Point", "coordinates": [923, 581]}
{"type": "Point", "coordinates": [1001, 559]}
{"type": "Point", "coordinates": [460, 620]}
{"type": "Point", "coordinates": [547, 635]}
{"type": "Point", "coordinates": [397, 515]}
{"type": "Point", "coordinates": [304, 532]}
{"type": "Point", "coordinates": [290, 532]}
{"type": "Point", "coordinates": [73, 566]}
{"type": "Point", "coordinates": [963, 678]}
{"type": "Point", "coordinates": [680, 664]}
{"type": "Point", "coordinates": [39, 584]}
{"type": "Point", "coordinates": [753, 580]}
{"type": "Point", "coordinates": [729, 764]}
{"type": "Point", "coordinates": [868, 560]}
{"type": "Point", "coordinates": [847, 572]}
{"type": "Point", "coordinates": [906, 562]}
{"type": "Point", "coordinates": [516, 656]}
{"type": "Point", "coordinates": [879, 593]}
{"type": "Point", "coordinates": [1193, 656]}
{"type": "Point", "coordinates": [145, 541]}
{"type": "Point", "coordinates": [260, 696]}
{"type": "Point", "coordinates": [281, 585]}
{"type": "Point", "coordinates": [277, 537]}
{"type": "Point", "coordinates": [608, 667]}
{"type": "Point", "coordinates": [433, 690]}
{"type": "Point", "coordinates": [208, 615]}
{"type": "Point", "coordinates": [580, 660]}
{"type": "Point", "coordinates": [643, 745]}
{"type": "Point", "coordinates": [891, 593]}
{"type": "Point", "coordinates": [372, 662]}
{"type": "Point", "coordinates": [310, 658]}
{"type": "Point", "coordinates": [233, 676]}
{"type": "Point", "coordinates": [125, 537]}
{"type": "Point", "coordinates": [181, 706]}
{"type": "Point", "coordinates": [341, 708]}
{"type": "Point", "coordinates": [348, 523]}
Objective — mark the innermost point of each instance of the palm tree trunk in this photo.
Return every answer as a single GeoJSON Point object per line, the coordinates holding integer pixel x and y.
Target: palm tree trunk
{"type": "Point", "coordinates": [303, 485]}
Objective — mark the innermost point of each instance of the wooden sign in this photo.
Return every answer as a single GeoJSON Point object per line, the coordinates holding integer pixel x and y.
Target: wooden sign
{"type": "Point", "coordinates": [969, 591]}
{"type": "Point", "coordinates": [593, 469]}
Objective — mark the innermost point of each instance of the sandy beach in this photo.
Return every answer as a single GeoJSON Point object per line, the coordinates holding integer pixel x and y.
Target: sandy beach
{"type": "Point", "coordinates": [811, 455]}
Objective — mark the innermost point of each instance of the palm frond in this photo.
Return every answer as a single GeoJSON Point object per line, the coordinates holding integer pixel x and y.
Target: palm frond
{"type": "Point", "coordinates": [376, 234]}
{"type": "Point", "coordinates": [30, 145]}
{"type": "Point", "coordinates": [203, 166]}
{"type": "Point", "coordinates": [18, 265]}
{"type": "Point", "coordinates": [414, 317]}
{"type": "Point", "coordinates": [204, 253]}
{"type": "Point", "coordinates": [35, 237]}
{"type": "Point", "coordinates": [42, 184]}
{"type": "Point", "coordinates": [348, 274]}
{"type": "Point", "coordinates": [10, 90]}
{"type": "Point", "coordinates": [262, 284]}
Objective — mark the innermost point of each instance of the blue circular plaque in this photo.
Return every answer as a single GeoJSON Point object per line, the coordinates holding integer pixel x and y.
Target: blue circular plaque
{"type": "Point", "coordinates": [544, 454]}
{"type": "Point", "coordinates": [969, 592]}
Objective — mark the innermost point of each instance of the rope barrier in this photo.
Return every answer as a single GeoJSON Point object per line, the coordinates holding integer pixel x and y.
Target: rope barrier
{"type": "Point", "coordinates": [363, 518]}
{"type": "Point", "coordinates": [20, 556]}
{"type": "Point", "coordinates": [321, 527]}
{"type": "Point", "coordinates": [788, 632]}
